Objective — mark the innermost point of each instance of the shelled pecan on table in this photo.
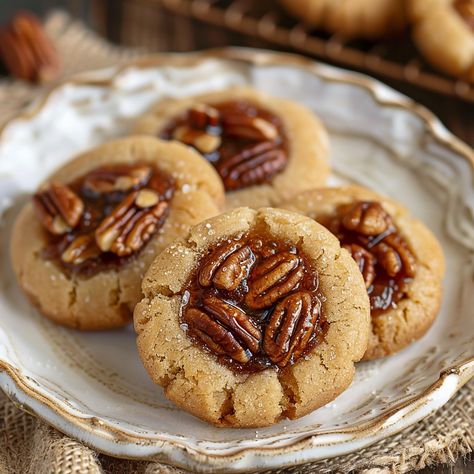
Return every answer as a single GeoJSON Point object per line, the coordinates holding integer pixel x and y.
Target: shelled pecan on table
{"type": "Point", "coordinates": [26, 51]}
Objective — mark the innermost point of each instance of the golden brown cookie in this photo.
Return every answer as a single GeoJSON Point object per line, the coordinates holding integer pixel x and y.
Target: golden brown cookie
{"type": "Point", "coordinates": [253, 317]}
{"type": "Point", "coordinates": [400, 259]}
{"type": "Point", "coordinates": [81, 246]}
{"type": "Point", "coordinates": [443, 31]}
{"type": "Point", "coordinates": [350, 18]}
{"type": "Point", "coordinates": [264, 148]}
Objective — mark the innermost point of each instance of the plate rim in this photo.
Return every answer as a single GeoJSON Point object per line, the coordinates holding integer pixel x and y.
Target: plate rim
{"type": "Point", "coordinates": [457, 375]}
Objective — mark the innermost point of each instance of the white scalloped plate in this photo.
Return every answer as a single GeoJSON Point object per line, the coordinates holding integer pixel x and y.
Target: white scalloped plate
{"type": "Point", "coordinates": [93, 387]}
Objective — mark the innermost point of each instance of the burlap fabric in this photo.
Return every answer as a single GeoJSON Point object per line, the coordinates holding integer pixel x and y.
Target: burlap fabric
{"type": "Point", "coordinates": [29, 446]}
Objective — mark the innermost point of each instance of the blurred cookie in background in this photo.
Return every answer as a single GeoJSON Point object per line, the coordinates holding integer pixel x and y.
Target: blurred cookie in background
{"type": "Point", "coordinates": [443, 31]}
{"type": "Point", "coordinates": [369, 19]}
{"type": "Point", "coordinates": [264, 148]}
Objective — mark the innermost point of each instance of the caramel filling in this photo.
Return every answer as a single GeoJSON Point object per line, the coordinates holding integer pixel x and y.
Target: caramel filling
{"type": "Point", "coordinates": [103, 219]}
{"type": "Point", "coordinates": [246, 144]}
{"type": "Point", "coordinates": [368, 232]}
{"type": "Point", "coordinates": [253, 302]}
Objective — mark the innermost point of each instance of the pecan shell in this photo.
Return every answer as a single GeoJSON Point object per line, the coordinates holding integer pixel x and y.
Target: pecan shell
{"type": "Point", "coordinates": [254, 164]}
{"type": "Point", "coordinates": [224, 328]}
{"type": "Point", "coordinates": [273, 278]}
{"type": "Point", "coordinates": [132, 223]}
{"type": "Point", "coordinates": [58, 208]}
{"type": "Point", "coordinates": [227, 266]}
{"type": "Point", "coordinates": [290, 327]}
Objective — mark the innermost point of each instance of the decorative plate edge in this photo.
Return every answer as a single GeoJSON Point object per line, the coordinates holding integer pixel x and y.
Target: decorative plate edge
{"type": "Point", "coordinates": [374, 430]}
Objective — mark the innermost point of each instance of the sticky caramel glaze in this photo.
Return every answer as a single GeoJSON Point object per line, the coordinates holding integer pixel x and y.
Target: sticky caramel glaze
{"type": "Point", "coordinates": [97, 207]}
{"type": "Point", "coordinates": [262, 248]}
{"type": "Point", "coordinates": [232, 145]}
{"type": "Point", "coordinates": [384, 292]}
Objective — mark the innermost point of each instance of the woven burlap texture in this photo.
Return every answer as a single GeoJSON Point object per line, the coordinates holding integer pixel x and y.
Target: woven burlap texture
{"type": "Point", "coordinates": [29, 446]}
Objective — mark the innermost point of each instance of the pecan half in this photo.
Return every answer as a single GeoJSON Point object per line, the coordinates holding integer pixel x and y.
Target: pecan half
{"type": "Point", "coordinates": [199, 139]}
{"type": "Point", "coordinates": [365, 261]}
{"type": "Point", "coordinates": [394, 256]}
{"type": "Point", "coordinates": [201, 116]}
{"type": "Point", "coordinates": [227, 266]}
{"type": "Point", "coordinates": [254, 164]}
{"type": "Point", "coordinates": [58, 208]}
{"type": "Point", "coordinates": [201, 130]}
{"type": "Point", "coordinates": [367, 218]}
{"type": "Point", "coordinates": [272, 279]}
{"type": "Point", "coordinates": [119, 177]}
{"type": "Point", "coordinates": [290, 327]}
{"type": "Point", "coordinates": [132, 223]}
{"type": "Point", "coordinates": [246, 127]}
{"type": "Point", "coordinates": [26, 50]}
{"type": "Point", "coordinates": [82, 248]}
{"type": "Point", "coordinates": [224, 328]}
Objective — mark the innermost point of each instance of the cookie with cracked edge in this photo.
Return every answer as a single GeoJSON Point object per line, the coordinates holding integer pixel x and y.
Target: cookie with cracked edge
{"type": "Point", "coordinates": [100, 292]}
{"type": "Point", "coordinates": [285, 149]}
{"type": "Point", "coordinates": [370, 19]}
{"type": "Point", "coordinates": [237, 371]}
{"type": "Point", "coordinates": [395, 324]}
{"type": "Point", "coordinates": [443, 30]}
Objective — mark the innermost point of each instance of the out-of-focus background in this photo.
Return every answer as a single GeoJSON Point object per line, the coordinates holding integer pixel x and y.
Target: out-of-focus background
{"type": "Point", "coordinates": [185, 25]}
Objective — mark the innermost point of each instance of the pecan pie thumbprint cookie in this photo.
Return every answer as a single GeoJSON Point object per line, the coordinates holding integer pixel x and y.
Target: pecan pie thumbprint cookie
{"type": "Point", "coordinates": [400, 259]}
{"type": "Point", "coordinates": [265, 149]}
{"type": "Point", "coordinates": [82, 244]}
{"type": "Point", "coordinates": [255, 316]}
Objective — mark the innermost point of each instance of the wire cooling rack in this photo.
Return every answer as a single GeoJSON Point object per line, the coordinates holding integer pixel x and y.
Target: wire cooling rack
{"type": "Point", "coordinates": [395, 58]}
